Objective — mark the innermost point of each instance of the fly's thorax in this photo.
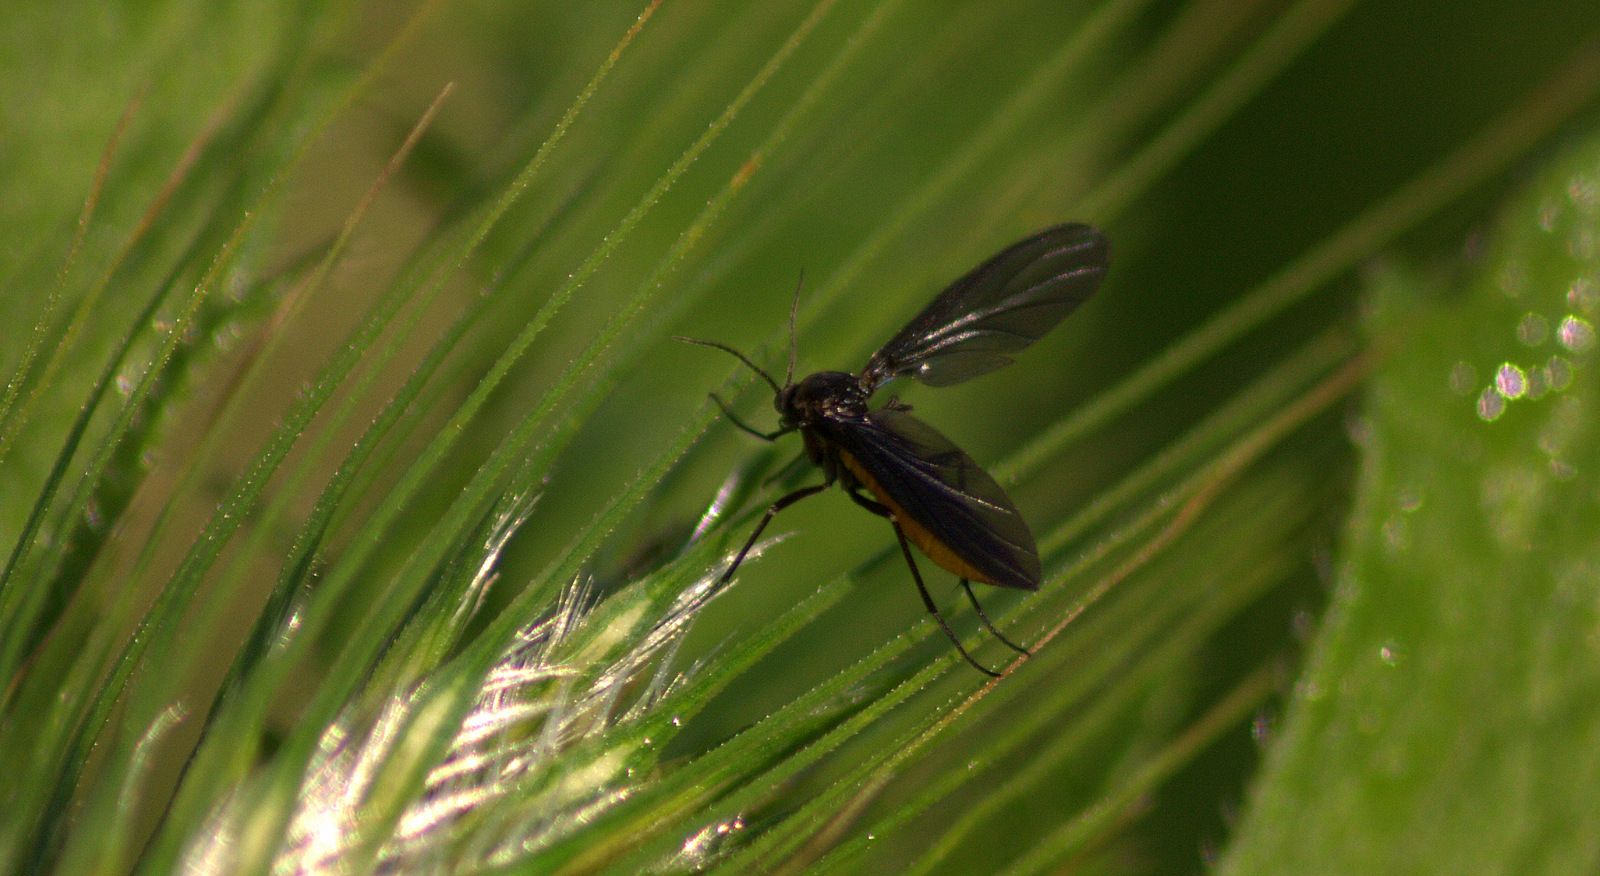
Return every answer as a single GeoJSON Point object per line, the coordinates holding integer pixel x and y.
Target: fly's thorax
{"type": "Point", "coordinates": [823, 395]}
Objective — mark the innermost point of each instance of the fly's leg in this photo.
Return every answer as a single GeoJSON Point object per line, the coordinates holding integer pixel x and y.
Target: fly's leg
{"type": "Point", "coordinates": [772, 511]}
{"type": "Point", "coordinates": [877, 508]}
{"type": "Point", "coordinates": [883, 511]}
{"type": "Point", "coordinates": [905, 548]}
{"type": "Point", "coordinates": [967, 586]}
{"type": "Point", "coordinates": [734, 419]}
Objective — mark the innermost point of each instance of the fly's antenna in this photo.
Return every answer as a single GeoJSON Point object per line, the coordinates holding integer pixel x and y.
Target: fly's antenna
{"type": "Point", "coordinates": [794, 312]}
{"type": "Point", "coordinates": [732, 352]}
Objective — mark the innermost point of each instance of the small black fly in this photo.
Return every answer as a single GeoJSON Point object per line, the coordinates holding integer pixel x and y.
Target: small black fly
{"type": "Point", "coordinates": [931, 492]}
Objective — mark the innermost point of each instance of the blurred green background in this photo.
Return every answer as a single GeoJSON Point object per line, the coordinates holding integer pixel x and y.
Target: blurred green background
{"type": "Point", "coordinates": [1324, 215]}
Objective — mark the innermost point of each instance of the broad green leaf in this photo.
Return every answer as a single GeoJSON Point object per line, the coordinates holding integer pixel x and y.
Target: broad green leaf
{"type": "Point", "coordinates": [1449, 721]}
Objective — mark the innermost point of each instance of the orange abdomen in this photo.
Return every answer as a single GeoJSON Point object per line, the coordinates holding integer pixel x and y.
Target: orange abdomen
{"type": "Point", "coordinates": [926, 541]}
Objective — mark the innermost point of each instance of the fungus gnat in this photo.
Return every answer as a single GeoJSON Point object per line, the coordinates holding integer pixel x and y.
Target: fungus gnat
{"type": "Point", "coordinates": [932, 493]}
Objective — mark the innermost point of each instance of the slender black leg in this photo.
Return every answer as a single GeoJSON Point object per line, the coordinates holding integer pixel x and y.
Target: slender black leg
{"type": "Point", "coordinates": [967, 586]}
{"type": "Point", "coordinates": [766, 518]}
{"type": "Point", "coordinates": [875, 507]}
{"type": "Point", "coordinates": [882, 510]}
{"type": "Point", "coordinates": [734, 419]}
{"type": "Point", "coordinates": [905, 548]}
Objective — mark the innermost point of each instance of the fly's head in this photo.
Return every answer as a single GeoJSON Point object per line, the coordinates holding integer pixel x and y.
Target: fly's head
{"type": "Point", "coordinates": [823, 395]}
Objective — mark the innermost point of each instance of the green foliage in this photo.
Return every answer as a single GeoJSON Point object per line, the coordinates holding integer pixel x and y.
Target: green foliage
{"type": "Point", "coordinates": [358, 514]}
{"type": "Point", "coordinates": [1449, 719]}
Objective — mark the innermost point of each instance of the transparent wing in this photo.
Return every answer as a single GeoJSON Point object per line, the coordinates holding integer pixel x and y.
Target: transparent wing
{"type": "Point", "coordinates": [910, 466]}
{"type": "Point", "coordinates": [1001, 306]}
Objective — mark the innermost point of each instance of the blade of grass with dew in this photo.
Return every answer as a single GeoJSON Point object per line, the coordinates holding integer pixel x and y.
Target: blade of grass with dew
{"type": "Point", "coordinates": [192, 154]}
{"type": "Point", "coordinates": [64, 341]}
{"type": "Point", "coordinates": [310, 538]}
{"type": "Point", "coordinates": [94, 80]}
{"type": "Point", "coordinates": [100, 701]}
{"type": "Point", "coordinates": [680, 248]}
{"type": "Point", "coordinates": [514, 190]}
{"type": "Point", "coordinates": [511, 446]}
{"type": "Point", "coordinates": [273, 333]}
{"type": "Point", "coordinates": [1061, 846]}
{"type": "Point", "coordinates": [185, 164]}
{"type": "Point", "coordinates": [536, 418]}
{"type": "Point", "coordinates": [215, 764]}
{"type": "Point", "coordinates": [58, 565]}
{"type": "Point", "coordinates": [73, 702]}
{"type": "Point", "coordinates": [329, 502]}
{"type": "Point", "coordinates": [78, 626]}
{"type": "Point", "coordinates": [608, 354]}
{"type": "Point", "coordinates": [12, 420]}
{"type": "Point", "coordinates": [175, 597]}
{"type": "Point", "coordinates": [370, 453]}
{"type": "Point", "coordinates": [160, 649]}
{"type": "Point", "coordinates": [21, 607]}
{"type": "Point", "coordinates": [66, 664]}
{"type": "Point", "coordinates": [301, 29]}
{"type": "Point", "coordinates": [1447, 719]}
{"type": "Point", "coordinates": [333, 374]}
{"type": "Point", "coordinates": [530, 426]}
